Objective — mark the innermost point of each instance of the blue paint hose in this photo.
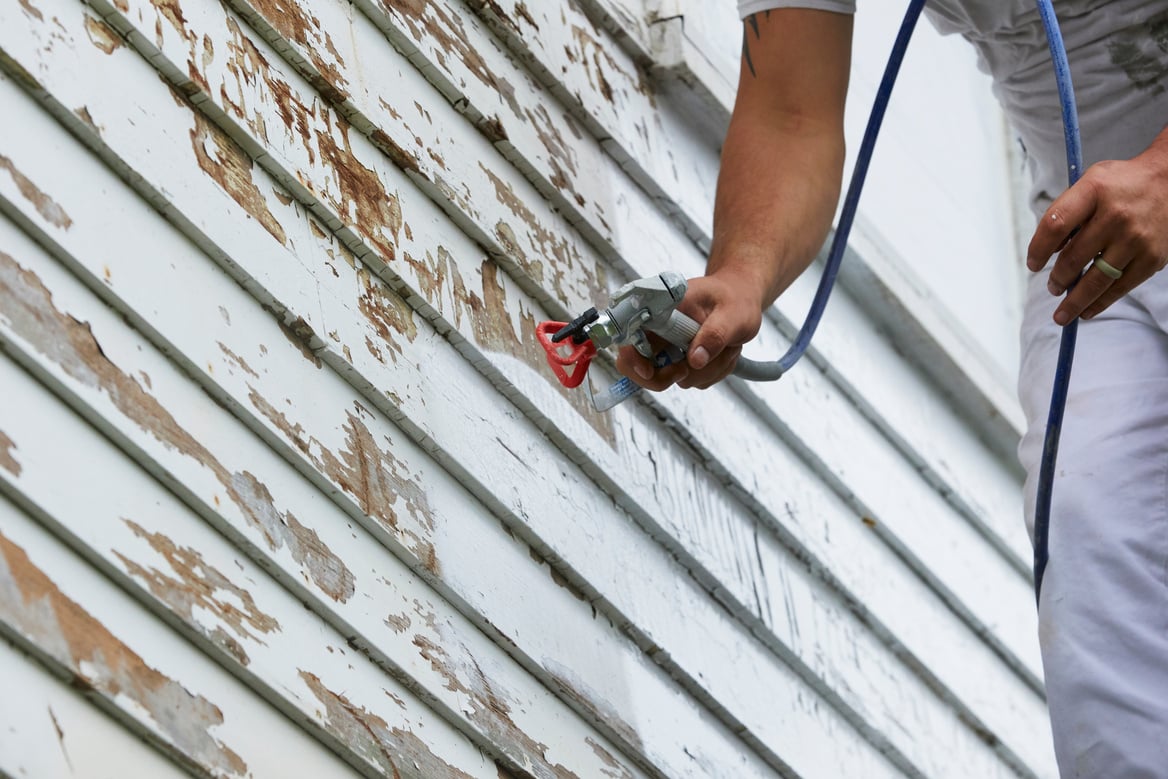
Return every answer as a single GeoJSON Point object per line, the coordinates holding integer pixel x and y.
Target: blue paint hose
{"type": "Point", "coordinates": [768, 371]}
{"type": "Point", "coordinates": [1062, 373]}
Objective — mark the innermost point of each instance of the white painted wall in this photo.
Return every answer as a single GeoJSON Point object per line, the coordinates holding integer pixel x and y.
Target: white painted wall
{"type": "Point", "coordinates": [285, 488]}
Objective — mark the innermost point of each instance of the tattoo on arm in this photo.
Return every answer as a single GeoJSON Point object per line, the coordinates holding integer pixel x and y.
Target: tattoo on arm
{"type": "Point", "coordinates": [751, 20]}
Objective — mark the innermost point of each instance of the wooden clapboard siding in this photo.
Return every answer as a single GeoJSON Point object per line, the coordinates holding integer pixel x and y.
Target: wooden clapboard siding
{"type": "Point", "coordinates": [285, 276]}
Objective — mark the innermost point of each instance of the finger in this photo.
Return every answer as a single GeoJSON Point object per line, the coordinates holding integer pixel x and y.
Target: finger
{"type": "Point", "coordinates": [1090, 288]}
{"type": "Point", "coordinates": [1062, 218]}
{"type": "Point", "coordinates": [641, 371]}
{"type": "Point", "coordinates": [714, 372]}
{"type": "Point", "coordinates": [719, 330]}
{"type": "Point", "coordinates": [1134, 274]}
{"type": "Point", "coordinates": [1094, 237]}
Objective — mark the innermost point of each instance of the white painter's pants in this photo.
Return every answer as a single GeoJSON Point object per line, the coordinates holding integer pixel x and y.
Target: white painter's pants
{"type": "Point", "coordinates": [1103, 617]}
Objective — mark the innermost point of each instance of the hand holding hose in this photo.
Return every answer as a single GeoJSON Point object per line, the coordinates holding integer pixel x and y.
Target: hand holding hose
{"type": "Point", "coordinates": [1112, 223]}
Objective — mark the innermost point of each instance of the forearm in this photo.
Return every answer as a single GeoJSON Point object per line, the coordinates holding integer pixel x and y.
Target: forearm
{"type": "Point", "coordinates": [777, 192]}
{"type": "Point", "coordinates": [784, 152]}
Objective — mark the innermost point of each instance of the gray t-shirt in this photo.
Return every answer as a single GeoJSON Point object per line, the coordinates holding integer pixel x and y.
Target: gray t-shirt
{"type": "Point", "coordinates": [1118, 51]}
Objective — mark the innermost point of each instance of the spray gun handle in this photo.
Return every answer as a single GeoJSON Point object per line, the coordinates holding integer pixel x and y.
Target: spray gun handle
{"type": "Point", "coordinates": [679, 330]}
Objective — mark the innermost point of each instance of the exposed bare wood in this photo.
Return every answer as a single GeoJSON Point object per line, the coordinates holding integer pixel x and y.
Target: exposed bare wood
{"type": "Point", "coordinates": [85, 630]}
{"type": "Point", "coordinates": [47, 728]}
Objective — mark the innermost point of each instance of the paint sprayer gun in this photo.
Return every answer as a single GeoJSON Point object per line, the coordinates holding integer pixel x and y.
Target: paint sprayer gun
{"type": "Point", "coordinates": [641, 307]}
{"type": "Point", "coordinates": [644, 306]}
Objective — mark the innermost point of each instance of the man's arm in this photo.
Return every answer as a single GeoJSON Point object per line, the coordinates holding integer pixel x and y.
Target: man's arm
{"type": "Point", "coordinates": [782, 162]}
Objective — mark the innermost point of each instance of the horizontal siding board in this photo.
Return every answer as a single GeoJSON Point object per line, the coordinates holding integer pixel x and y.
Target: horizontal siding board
{"type": "Point", "coordinates": [49, 729]}
{"type": "Point", "coordinates": [85, 629]}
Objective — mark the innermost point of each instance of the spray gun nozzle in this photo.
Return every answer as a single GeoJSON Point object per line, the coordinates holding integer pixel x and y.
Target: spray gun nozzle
{"type": "Point", "coordinates": [575, 328]}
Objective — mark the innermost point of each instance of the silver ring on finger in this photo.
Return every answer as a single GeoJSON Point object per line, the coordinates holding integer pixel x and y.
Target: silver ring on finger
{"type": "Point", "coordinates": [1106, 268]}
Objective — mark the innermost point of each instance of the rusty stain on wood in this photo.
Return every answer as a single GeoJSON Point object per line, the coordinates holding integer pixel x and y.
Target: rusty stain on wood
{"type": "Point", "coordinates": [45, 205]}
{"type": "Point", "coordinates": [197, 585]}
{"type": "Point", "coordinates": [60, 738]}
{"type": "Point", "coordinates": [172, 12]}
{"type": "Point", "coordinates": [32, 604]}
{"type": "Point", "coordinates": [371, 736]}
{"type": "Point", "coordinates": [386, 311]}
{"type": "Point", "coordinates": [102, 35]}
{"type": "Point", "coordinates": [405, 160]}
{"type": "Point", "coordinates": [448, 34]}
{"type": "Point", "coordinates": [399, 623]}
{"type": "Point", "coordinates": [522, 12]}
{"type": "Point", "coordinates": [493, 128]}
{"type": "Point", "coordinates": [32, 10]}
{"type": "Point", "coordinates": [30, 310]}
{"type": "Point", "coordinates": [363, 199]}
{"type": "Point", "coordinates": [294, 25]}
{"type": "Point", "coordinates": [7, 460]}
{"type": "Point", "coordinates": [231, 168]}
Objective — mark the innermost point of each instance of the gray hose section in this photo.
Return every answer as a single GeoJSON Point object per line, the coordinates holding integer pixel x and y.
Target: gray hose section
{"type": "Point", "coordinates": [753, 370]}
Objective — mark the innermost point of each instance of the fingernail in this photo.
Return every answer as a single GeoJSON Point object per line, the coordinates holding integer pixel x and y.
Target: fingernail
{"type": "Point", "coordinates": [1061, 317]}
{"type": "Point", "coordinates": [699, 357]}
{"type": "Point", "coordinates": [642, 370]}
{"type": "Point", "coordinates": [1054, 288]}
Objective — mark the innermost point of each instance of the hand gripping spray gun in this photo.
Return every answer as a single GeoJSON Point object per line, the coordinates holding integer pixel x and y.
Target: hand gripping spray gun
{"type": "Point", "coordinates": [647, 305]}
{"type": "Point", "coordinates": [644, 306]}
